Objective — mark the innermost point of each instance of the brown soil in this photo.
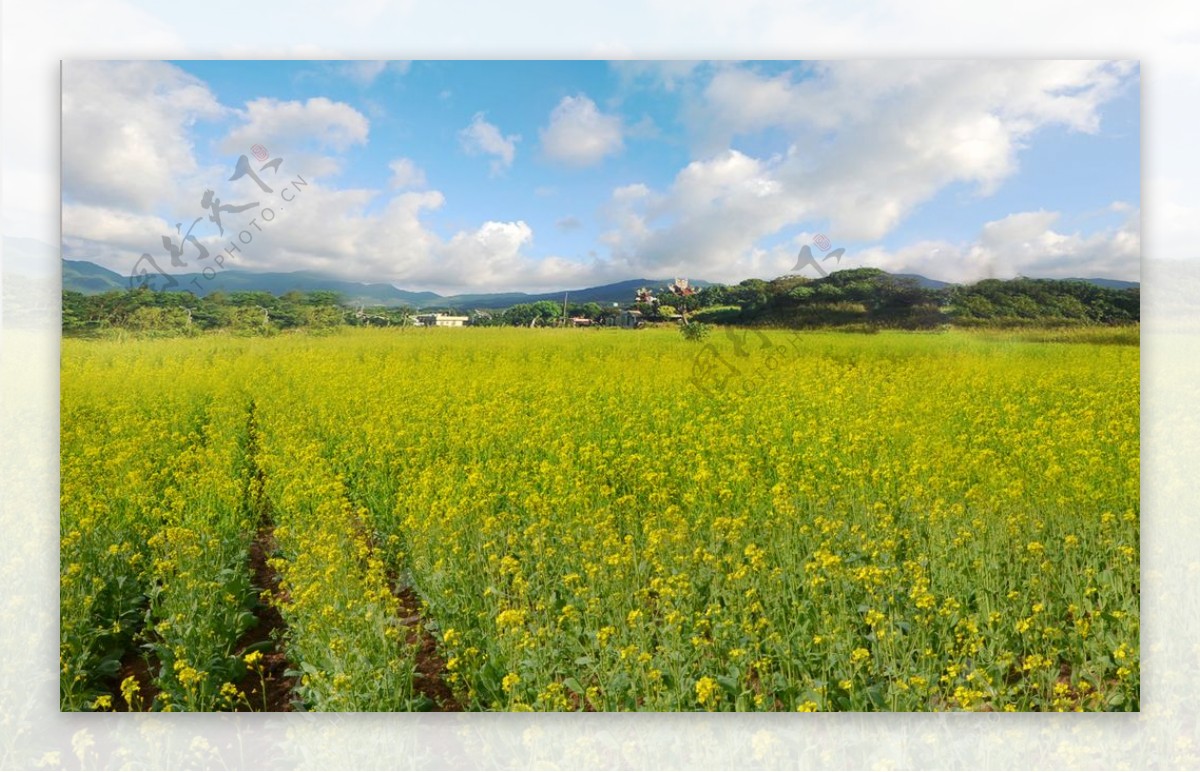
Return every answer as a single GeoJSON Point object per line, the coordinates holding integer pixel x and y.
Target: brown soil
{"type": "Point", "coordinates": [429, 680]}
{"type": "Point", "coordinates": [269, 628]}
{"type": "Point", "coordinates": [136, 665]}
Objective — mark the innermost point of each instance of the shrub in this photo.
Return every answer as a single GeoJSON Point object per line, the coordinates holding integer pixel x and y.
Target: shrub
{"type": "Point", "coordinates": [694, 330]}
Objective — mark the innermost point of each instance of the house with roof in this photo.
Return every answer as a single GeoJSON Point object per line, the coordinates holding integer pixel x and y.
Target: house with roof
{"type": "Point", "coordinates": [441, 320]}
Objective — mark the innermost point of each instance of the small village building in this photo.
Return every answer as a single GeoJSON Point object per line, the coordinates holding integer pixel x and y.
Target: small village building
{"type": "Point", "coordinates": [441, 320]}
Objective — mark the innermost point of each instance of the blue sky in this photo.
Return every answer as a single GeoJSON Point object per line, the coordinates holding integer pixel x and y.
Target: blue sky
{"type": "Point", "coordinates": [419, 113]}
{"type": "Point", "coordinates": [539, 175]}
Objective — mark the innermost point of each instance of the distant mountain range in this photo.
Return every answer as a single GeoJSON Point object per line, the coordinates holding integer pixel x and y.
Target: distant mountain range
{"type": "Point", "coordinates": [89, 278]}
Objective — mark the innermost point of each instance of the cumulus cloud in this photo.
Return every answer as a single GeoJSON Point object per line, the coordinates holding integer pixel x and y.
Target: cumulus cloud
{"type": "Point", "coordinates": [579, 134]}
{"type": "Point", "coordinates": [353, 233]}
{"type": "Point", "coordinates": [356, 234]}
{"type": "Point", "coordinates": [1022, 244]}
{"type": "Point", "coordinates": [857, 145]}
{"type": "Point", "coordinates": [870, 141]}
{"type": "Point", "coordinates": [707, 223]}
{"type": "Point", "coordinates": [126, 130]}
{"type": "Point", "coordinates": [483, 138]}
{"type": "Point", "coordinates": [320, 121]}
{"type": "Point", "coordinates": [490, 254]}
{"type": "Point", "coordinates": [112, 237]}
{"type": "Point", "coordinates": [406, 174]}
{"type": "Point", "coordinates": [866, 143]}
{"type": "Point", "coordinates": [115, 226]}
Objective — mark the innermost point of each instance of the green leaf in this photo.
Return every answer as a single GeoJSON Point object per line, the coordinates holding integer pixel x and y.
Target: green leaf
{"type": "Point", "coordinates": [109, 668]}
{"type": "Point", "coordinates": [619, 683]}
{"type": "Point", "coordinates": [245, 621]}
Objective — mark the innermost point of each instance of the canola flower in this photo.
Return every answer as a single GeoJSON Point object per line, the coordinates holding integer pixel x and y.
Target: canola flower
{"type": "Point", "coordinates": [334, 588]}
{"type": "Point", "coordinates": [201, 590]}
{"type": "Point", "coordinates": [888, 522]}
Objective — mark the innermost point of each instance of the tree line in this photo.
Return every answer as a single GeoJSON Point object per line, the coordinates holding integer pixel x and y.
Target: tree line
{"type": "Point", "coordinates": [146, 311]}
{"type": "Point", "coordinates": [869, 296]}
{"type": "Point", "coordinates": [856, 297]}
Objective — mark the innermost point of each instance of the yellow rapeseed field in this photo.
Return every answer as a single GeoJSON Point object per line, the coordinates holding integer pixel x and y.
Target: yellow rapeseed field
{"type": "Point", "coordinates": [605, 520]}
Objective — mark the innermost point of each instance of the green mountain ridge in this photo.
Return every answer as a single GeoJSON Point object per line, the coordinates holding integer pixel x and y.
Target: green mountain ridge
{"type": "Point", "coordinates": [90, 279]}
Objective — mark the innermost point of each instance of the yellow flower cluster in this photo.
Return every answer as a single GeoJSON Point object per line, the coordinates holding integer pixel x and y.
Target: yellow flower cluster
{"type": "Point", "coordinates": [152, 507]}
{"type": "Point", "coordinates": [333, 585]}
{"type": "Point", "coordinates": [888, 522]}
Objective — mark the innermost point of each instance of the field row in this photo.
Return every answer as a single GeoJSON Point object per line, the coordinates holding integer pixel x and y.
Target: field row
{"type": "Point", "coordinates": [603, 522]}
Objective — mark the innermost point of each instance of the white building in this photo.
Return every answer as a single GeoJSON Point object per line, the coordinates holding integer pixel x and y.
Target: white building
{"type": "Point", "coordinates": [441, 320]}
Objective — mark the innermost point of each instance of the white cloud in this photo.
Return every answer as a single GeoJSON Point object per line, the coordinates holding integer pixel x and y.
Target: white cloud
{"type": "Point", "coordinates": [486, 256]}
{"type": "Point", "coordinates": [1021, 244]}
{"type": "Point", "coordinates": [626, 212]}
{"type": "Point", "coordinates": [1017, 229]}
{"type": "Point", "coordinates": [343, 233]}
{"type": "Point", "coordinates": [113, 237]}
{"type": "Point", "coordinates": [352, 233]}
{"type": "Point", "coordinates": [319, 121]}
{"type": "Point", "coordinates": [866, 143]}
{"type": "Point", "coordinates": [645, 128]}
{"type": "Point", "coordinates": [667, 75]}
{"type": "Point", "coordinates": [633, 192]}
{"type": "Point", "coordinates": [579, 134]}
{"type": "Point", "coordinates": [98, 223]}
{"type": "Point", "coordinates": [568, 223]}
{"type": "Point", "coordinates": [365, 72]}
{"type": "Point", "coordinates": [124, 164]}
{"type": "Point", "coordinates": [870, 141]}
{"type": "Point", "coordinates": [126, 130]}
{"type": "Point", "coordinates": [483, 138]}
{"type": "Point", "coordinates": [396, 245]}
{"type": "Point", "coordinates": [879, 150]}
{"type": "Point", "coordinates": [406, 174]}
{"type": "Point", "coordinates": [35, 39]}
{"type": "Point", "coordinates": [707, 223]}
{"type": "Point", "coordinates": [308, 135]}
